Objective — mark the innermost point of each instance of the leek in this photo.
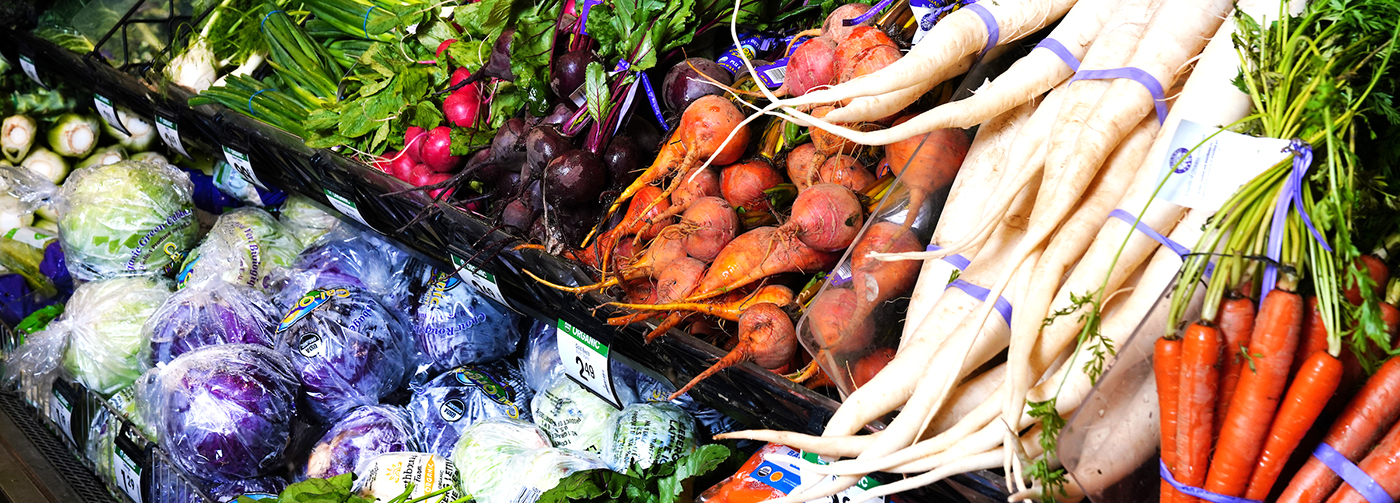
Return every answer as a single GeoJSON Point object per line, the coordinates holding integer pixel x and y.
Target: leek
{"type": "Point", "coordinates": [73, 135]}
{"type": "Point", "coordinates": [45, 163]}
{"type": "Point", "coordinates": [102, 157]}
{"type": "Point", "coordinates": [17, 136]}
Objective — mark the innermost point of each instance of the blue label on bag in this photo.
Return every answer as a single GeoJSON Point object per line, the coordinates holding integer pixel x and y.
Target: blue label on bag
{"type": "Point", "coordinates": [309, 303]}
{"type": "Point", "coordinates": [776, 476]}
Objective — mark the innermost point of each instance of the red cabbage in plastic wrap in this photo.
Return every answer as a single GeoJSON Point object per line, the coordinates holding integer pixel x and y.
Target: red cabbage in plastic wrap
{"type": "Point", "coordinates": [345, 258]}
{"type": "Point", "coordinates": [168, 487]}
{"type": "Point", "coordinates": [366, 432]}
{"type": "Point", "coordinates": [445, 406]}
{"type": "Point", "coordinates": [223, 412]}
{"type": "Point", "coordinates": [456, 325]}
{"type": "Point", "coordinates": [347, 348]}
{"type": "Point", "coordinates": [209, 313]}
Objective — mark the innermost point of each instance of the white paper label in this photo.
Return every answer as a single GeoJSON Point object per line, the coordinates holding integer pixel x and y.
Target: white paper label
{"type": "Point", "coordinates": [586, 362]}
{"type": "Point", "coordinates": [484, 282]}
{"type": "Point", "coordinates": [1207, 177]}
{"type": "Point", "coordinates": [28, 66]}
{"type": "Point", "coordinates": [347, 207]}
{"type": "Point", "coordinates": [30, 236]}
{"type": "Point", "coordinates": [108, 113]}
{"type": "Point", "coordinates": [128, 474]}
{"type": "Point", "coordinates": [61, 413]}
{"type": "Point", "coordinates": [240, 162]}
{"type": "Point", "coordinates": [170, 134]}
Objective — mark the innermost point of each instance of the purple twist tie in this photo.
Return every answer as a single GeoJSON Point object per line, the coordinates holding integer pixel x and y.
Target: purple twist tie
{"type": "Point", "coordinates": [1290, 194]}
{"type": "Point", "coordinates": [958, 261]}
{"type": "Point", "coordinates": [1002, 306]}
{"type": "Point", "coordinates": [861, 19]}
{"type": "Point", "coordinates": [1156, 236]}
{"type": "Point", "coordinates": [583, 16]}
{"type": "Point", "coordinates": [1197, 492]}
{"type": "Point", "coordinates": [1159, 97]}
{"type": "Point", "coordinates": [1059, 49]}
{"type": "Point", "coordinates": [993, 32]}
{"type": "Point", "coordinates": [1359, 480]}
{"type": "Point", "coordinates": [623, 66]}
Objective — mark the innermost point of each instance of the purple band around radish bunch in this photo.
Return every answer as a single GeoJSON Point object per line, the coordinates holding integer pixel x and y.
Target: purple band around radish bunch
{"type": "Point", "coordinates": [993, 32]}
{"type": "Point", "coordinates": [1059, 49]}
{"type": "Point", "coordinates": [1359, 480]}
{"type": "Point", "coordinates": [1197, 492]}
{"type": "Point", "coordinates": [1002, 306]}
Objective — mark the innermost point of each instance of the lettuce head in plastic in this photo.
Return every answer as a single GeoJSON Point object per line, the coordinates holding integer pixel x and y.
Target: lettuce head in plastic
{"type": "Point", "coordinates": [242, 248]}
{"type": "Point", "coordinates": [535, 472]}
{"type": "Point", "coordinates": [207, 314]}
{"type": "Point", "coordinates": [573, 417]}
{"type": "Point", "coordinates": [104, 322]}
{"type": "Point", "coordinates": [223, 412]}
{"type": "Point", "coordinates": [127, 218]}
{"type": "Point", "coordinates": [366, 432]}
{"type": "Point", "coordinates": [648, 434]}
{"type": "Point", "coordinates": [307, 221]}
{"type": "Point", "coordinates": [486, 446]}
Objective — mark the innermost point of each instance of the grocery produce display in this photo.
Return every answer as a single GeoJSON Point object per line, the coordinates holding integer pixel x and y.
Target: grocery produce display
{"type": "Point", "coordinates": [631, 250]}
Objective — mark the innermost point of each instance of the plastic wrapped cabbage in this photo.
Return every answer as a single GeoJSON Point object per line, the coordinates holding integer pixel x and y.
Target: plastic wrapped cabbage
{"type": "Point", "coordinates": [445, 406]}
{"type": "Point", "coordinates": [712, 421]}
{"type": "Point", "coordinates": [386, 476]}
{"type": "Point", "coordinates": [207, 314]}
{"type": "Point", "coordinates": [347, 348]}
{"type": "Point", "coordinates": [486, 446]}
{"type": "Point", "coordinates": [648, 434]}
{"type": "Point", "coordinates": [456, 325]}
{"type": "Point", "coordinates": [307, 221]}
{"type": "Point", "coordinates": [366, 432]}
{"type": "Point", "coordinates": [168, 486]}
{"type": "Point", "coordinates": [126, 219]}
{"type": "Point", "coordinates": [534, 472]}
{"type": "Point", "coordinates": [223, 412]}
{"type": "Point", "coordinates": [541, 363]}
{"type": "Point", "coordinates": [244, 246]}
{"type": "Point", "coordinates": [345, 258]}
{"type": "Point", "coordinates": [103, 324]}
{"type": "Point", "coordinates": [573, 417]}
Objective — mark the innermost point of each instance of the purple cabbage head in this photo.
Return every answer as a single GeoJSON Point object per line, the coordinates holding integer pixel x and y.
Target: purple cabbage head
{"type": "Point", "coordinates": [207, 314]}
{"type": "Point", "coordinates": [366, 432]}
{"type": "Point", "coordinates": [456, 325]}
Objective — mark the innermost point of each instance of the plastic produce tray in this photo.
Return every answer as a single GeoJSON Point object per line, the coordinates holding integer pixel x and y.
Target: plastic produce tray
{"type": "Point", "coordinates": [753, 396]}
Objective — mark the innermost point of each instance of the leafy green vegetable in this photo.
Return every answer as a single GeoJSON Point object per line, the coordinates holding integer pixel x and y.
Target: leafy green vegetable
{"type": "Point", "coordinates": [530, 51]}
{"type": "Point", "coordinates": [595, 90]}
{"type": "Point", "coordinates": [392, 95]}
{"type": "Point", "coordinates": [636, 30]}
{"type": "Point", "coordinates": [661, 483]}
{"type": "Point", "coordinates": [333, 490]}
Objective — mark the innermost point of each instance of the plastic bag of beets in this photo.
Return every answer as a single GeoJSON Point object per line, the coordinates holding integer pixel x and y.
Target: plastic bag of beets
{"type": "Point", "coordinates": [169, 486]}
{"type": "Point", "coordinates": [456, 325]}
{"type": "Point", "coordinates": [223, 413]}
{"type": "Point", "coordinates": [364, 433]}
{"type": "Point", "coordinates": [210, 313]}
{"type": "Point", "coordinates": [348, 349]}
{"type": "Point", "coordinates": [445, 406]}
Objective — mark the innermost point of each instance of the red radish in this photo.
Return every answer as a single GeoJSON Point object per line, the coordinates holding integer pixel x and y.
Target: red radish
{"type": "Point", "coordinates": [870, 365]}
{"type": "Point", "coordinates": [834, 27]}
{"type": "Point", "coordinates": [402, 168]}
{"type": "Point", "coordinates": [437, 151]}
{"type": "Point", "coordinates": [802, 163]}
{"type": "Point", "coordinates": [384, 161]}
{"type": "Point", "coordinates": [811, 66]}
{"type": "Point", "coordinates": [878, 282]}
{"type": "Point", "coordinates": [419, 175]}
{"type": "Point", "coordinates": [413, 142]}
{"type": "Point", "coordinates": [443, 46]}
{"type": "Point", "coordinates": [462, 107]}
{"type": "Point", "coordinates": [834, 319]}
{"type": "Point", "coordinates": [845, 171]}
{"type": "Point", "coordinates": [743, 185]}
{"type": "Point", "coordinates": [766, 337]}
{"type": "Point", "coordinates": [860, 39]}
{"type": "Point", "coordinates": [755, 255]}
{"type": "Point", "coordinates": [827, 217]}
{"type": "Point", "coordinates": [458, 76]}
{"type": "Point", "coordinates": [710, 224]}
{"type": "Point", "coordinates": [439, 178]}
{"type": "Point", "coordinates": [1378, 272]}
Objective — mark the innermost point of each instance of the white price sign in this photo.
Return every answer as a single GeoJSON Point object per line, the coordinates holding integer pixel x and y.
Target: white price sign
{"type": "Point", "coordinates": [109, 113]}
{"type": "Point", "coordinates": [28, 66]}
{"type": "Point", "coordinates": [346, 206]}
{"type": "Point", "coordinates": [240, 163]}
{"type": "Point", "coordinates": [128, 474]}
{"type": "Point", "coordinates": [1220, 163]}
{"type": "Point", "coordinates": [170, 134]}
{"type": "Point", "coordinates": [484, 282]}
{"type": "Point", "coordinates": [585, 361]}
{"type": "Point", "coordinates": [61, 413]}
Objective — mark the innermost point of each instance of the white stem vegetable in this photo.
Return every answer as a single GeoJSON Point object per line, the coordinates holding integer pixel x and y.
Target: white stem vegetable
{"type": "Point", "coordinates": [17, 136]}
{"type": "Point", "coordinates": [73, 135]}
{"type": "Point", "coordinates": [46, 164]}
{"type": "Point", "coordinates": [142, 134]}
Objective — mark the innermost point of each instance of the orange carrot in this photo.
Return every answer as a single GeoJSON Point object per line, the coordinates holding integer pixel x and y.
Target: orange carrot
{"type": "Point", "coordinates": [755, 255]}
{"type": "Point", "coordinates": [1236, 321]}
{"type": "Point", "coordinates": [1166, 367]}
{"type": "Point", "coordinates": [1313, 338]}
{"type": "Point", "coordinates": [1200, 381]}
{"type": "Point", "coordinates": [1310, 391]}
{"type": "Point", "coordinates": [1382, 464]}
{"type": "Point", "coordinates": [1366, 417]}
{"type": "Point", "coordinates": [1271, 348]}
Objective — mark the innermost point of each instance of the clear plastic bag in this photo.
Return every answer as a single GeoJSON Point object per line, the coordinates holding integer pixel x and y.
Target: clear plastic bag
{"type": "Point", "coordinates": [386, 476]}
{"type": "Point", "coordinates": [364, 433]}
{"type": "Point", "coordinates": [648, 434]}
{"type": "Point", "coordinates": [223, 412]}
{"type": "Point", "coordinates": [541, 363]}
{"type": "Point", "coordinates": [170, 486]}
{"type": "Point", "coordinates": [243, 248]}
{"type": "Point", "coordinates": [347, 258]}
{"type": "Point", "coordinates": [486, 447]}
{"type": "Point", "coordinates": [573, 417]}
{"type": "Point", "coordinates": [456, 325]}
{"type": "Point", "coordinates": [126, 219]}
{"type": "Point", "coordinates": [209, 313]}
{"type": "Point", "coordinates": [347, 348]}
{"type": "Point", "coordinates": [307, 221]}
{"type": "Point", "coordinates": [447, 405]}
{"type": "Point", "coordinates": [529, 474]}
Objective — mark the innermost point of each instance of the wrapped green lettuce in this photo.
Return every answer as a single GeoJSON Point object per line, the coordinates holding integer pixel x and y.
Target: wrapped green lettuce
{"type": "Point", "coordinates": [126, 219]}
{"type": "Point", "coordinates": [648, 434]}
{"type": "Point", "coordinates": [573, 417]}
{"type": "Point", "coordinates": [307, 221]}
{"type": "Point", "coordinates": [485, 447]}
{"type": "Point", "coordinates": [534, 472]}
{"type": "Point", "coordinates": [243, 247]}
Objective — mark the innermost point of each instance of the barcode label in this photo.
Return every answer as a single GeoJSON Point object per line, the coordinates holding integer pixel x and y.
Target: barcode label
{"type": "Point", "coordinates": [170, 134]}
{"type": "Point", "coordinates": [774, 74]}
{"type": "Point", "coordinates": [109, 113]}
{"type": "Point", "coordinates": [527, 495]}
{"type": "Point", "coordinates": [28, 66]}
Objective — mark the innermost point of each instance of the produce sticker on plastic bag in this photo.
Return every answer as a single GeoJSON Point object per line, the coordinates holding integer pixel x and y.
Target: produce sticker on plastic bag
{"type": "Point", "coordinates": [1207, 176]}
{"type": "Point", "coordinates": [783, 471]}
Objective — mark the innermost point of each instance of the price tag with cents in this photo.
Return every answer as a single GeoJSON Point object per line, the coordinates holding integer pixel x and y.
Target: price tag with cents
{"type": "Point", "coordinates": [585, 361]}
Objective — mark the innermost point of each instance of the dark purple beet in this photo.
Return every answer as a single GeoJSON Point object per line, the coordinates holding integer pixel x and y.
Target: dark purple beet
{"type": "Point", "coordinates": [644, 134]}
{"type": "Point", "coordinates": [559, 114]}
{"type": "Point", "coordinates": [623, 159]}
{"type": "Point", "coordinates": [569, 71]}
{"type": "Point", "coordinates": [508, 146]}
{"type": "Point", "coordinates": [542, 145]}
{"type": "Point", "coordinates": [518, 215]}
{"type": "Point", "coordinates": [684, 84]}
{"type": "Point", "coordinates": [498, 65]}
{"type": "Point", "coordinates": [575, 178]}
{"type": "Point", "coordinates": [575, 223]}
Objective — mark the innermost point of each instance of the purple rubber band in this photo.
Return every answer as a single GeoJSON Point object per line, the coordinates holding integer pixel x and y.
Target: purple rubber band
{"type": "Point", "coordinates": [861, 19]}
{"type": "Point", "coordinates": [1197, 492]}
{"type": "Point", "coordinates": [993, 32]}
{"type": "Point", "coordinates": [623, 66]}
{"type": "Point", "coordinates": [1059, 49]}
{"type": "Point", "coordinates": [1359, 480]}
{"type": "Point", "coordinates": [958, 261]}
{"type": "Point", "coordinates": [1159, 96]}
{"type": "Point", "coordinates": [979, 293]}
{"type": "Point", "coordinates": [583, 18]}
{"type": "Point", "coordinates": [1180, 250]}
{"type": "Point", "coordinates": [1291, 194]}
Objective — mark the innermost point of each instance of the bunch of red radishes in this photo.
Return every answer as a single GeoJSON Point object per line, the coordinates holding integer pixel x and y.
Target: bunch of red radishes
{"type": "Point", "coordinates": [427, 158]}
